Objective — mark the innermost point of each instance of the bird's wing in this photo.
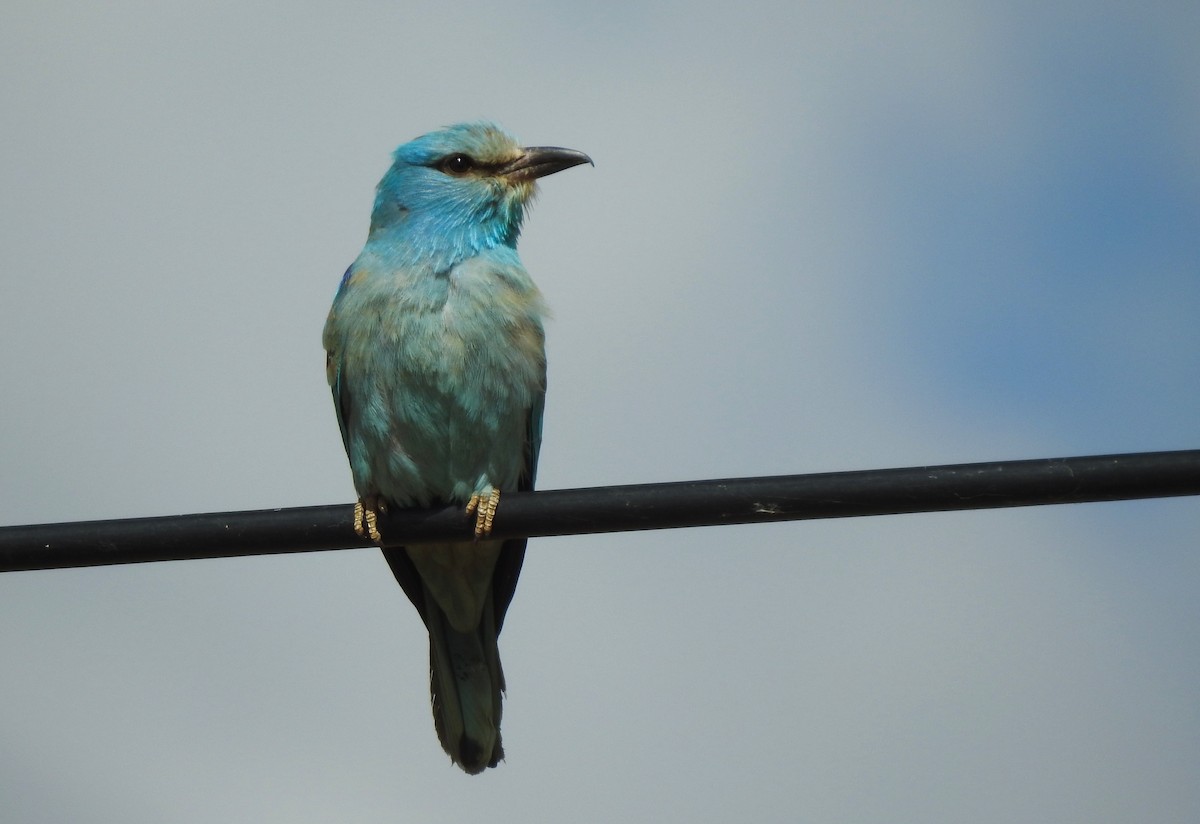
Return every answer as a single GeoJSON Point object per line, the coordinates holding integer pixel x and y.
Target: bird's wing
{"type": "Point", "coordinates": [508, 565]}
{"type": "Point", "coordinates": [533, 444]}
{"type": "Point", "coordinates": [333, 373]}
{"type": "Point", "coordinates": [341, 401]}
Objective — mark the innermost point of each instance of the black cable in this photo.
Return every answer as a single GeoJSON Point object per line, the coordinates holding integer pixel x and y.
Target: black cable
{"type": "Point", "coordinates": [615, 509]}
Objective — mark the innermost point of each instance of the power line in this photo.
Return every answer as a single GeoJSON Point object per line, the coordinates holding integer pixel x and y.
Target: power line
{"type": "Point", "coordinates": [615, 509]}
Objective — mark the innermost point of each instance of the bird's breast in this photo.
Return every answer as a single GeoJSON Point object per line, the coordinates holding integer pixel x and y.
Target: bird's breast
{"type": "Point", "coordinates": [444, 368]}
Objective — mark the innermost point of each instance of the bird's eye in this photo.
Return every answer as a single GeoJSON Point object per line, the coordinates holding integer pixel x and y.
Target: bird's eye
{"type": "Point", "coordinates": [456, 164]}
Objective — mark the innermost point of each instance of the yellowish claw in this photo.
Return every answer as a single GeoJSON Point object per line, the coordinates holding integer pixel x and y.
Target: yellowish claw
{"type": "Point", "coordinates": [366, 520]}
{"type": "Point", "coordinates": [358, 520]}
{"type": "Point", "coordinates": [483, 507]}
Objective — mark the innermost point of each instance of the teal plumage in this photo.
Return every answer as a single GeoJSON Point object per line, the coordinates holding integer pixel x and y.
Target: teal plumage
{"type": "Point", "coordinates": [435, 355]}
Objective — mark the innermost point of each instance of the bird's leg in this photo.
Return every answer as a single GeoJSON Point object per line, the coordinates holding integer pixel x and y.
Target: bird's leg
{"type": "Point", "coordinates": [484, 508]}
{"type": "Point", "coordinates": [366, 517]}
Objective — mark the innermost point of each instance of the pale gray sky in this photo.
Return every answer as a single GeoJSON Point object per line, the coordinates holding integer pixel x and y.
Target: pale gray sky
{"type": "Point", "coordinates": [817, 237]}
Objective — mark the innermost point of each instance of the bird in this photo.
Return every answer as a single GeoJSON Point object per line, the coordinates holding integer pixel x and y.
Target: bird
{"type": "Point", "coordinates": [435, 355]}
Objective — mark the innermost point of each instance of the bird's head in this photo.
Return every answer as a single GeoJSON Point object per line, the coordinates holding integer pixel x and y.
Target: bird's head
{"type": "Point", "coordinates": [463, 189]}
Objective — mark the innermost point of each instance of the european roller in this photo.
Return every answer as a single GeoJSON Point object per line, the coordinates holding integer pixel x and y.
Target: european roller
{"type": "Point", "coordinates": [435, 355]}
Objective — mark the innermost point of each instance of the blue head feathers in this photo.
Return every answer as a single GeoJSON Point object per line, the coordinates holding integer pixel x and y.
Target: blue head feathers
{"type": "Point", "coordinates": [462, 190]}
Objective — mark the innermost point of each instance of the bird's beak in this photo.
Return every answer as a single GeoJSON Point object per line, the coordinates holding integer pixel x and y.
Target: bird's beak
{"type": "Point", "coordinates": [539, 161]}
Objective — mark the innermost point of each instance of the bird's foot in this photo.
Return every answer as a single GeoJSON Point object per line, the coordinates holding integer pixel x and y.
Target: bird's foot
{"type": "Point", "coordinates": [483, 507]}
{"type": "Point", "coordinates": [366, 517]}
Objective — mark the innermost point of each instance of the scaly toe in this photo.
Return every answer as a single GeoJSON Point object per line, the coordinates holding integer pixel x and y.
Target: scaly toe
{"type": "Point", "coordinates": [373, 526]}
{"type": "Point", "coordinates": [366, 517]}
{"type": "Point", "coordinates": [358, 519]}
{"type": "Point", "coordinates": [492, 506]}
{"type": "Point", "coordinates": [483, 507]}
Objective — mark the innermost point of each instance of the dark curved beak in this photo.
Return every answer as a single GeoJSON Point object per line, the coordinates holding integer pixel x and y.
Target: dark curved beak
{"type": "Point", "coordinates": [539, 161]}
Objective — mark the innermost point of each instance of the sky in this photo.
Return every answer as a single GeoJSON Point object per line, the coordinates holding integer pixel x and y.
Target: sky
{"type": "Point", "coordinates": [817, 237]}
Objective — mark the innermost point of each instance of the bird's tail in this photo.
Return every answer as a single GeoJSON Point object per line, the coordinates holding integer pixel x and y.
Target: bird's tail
{"type": "Point", "coordinates": [466, 684]}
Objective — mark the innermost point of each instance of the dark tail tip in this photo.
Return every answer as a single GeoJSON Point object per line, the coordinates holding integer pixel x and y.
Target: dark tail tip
{"type": "Point", "coordinates": [473, 759]}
